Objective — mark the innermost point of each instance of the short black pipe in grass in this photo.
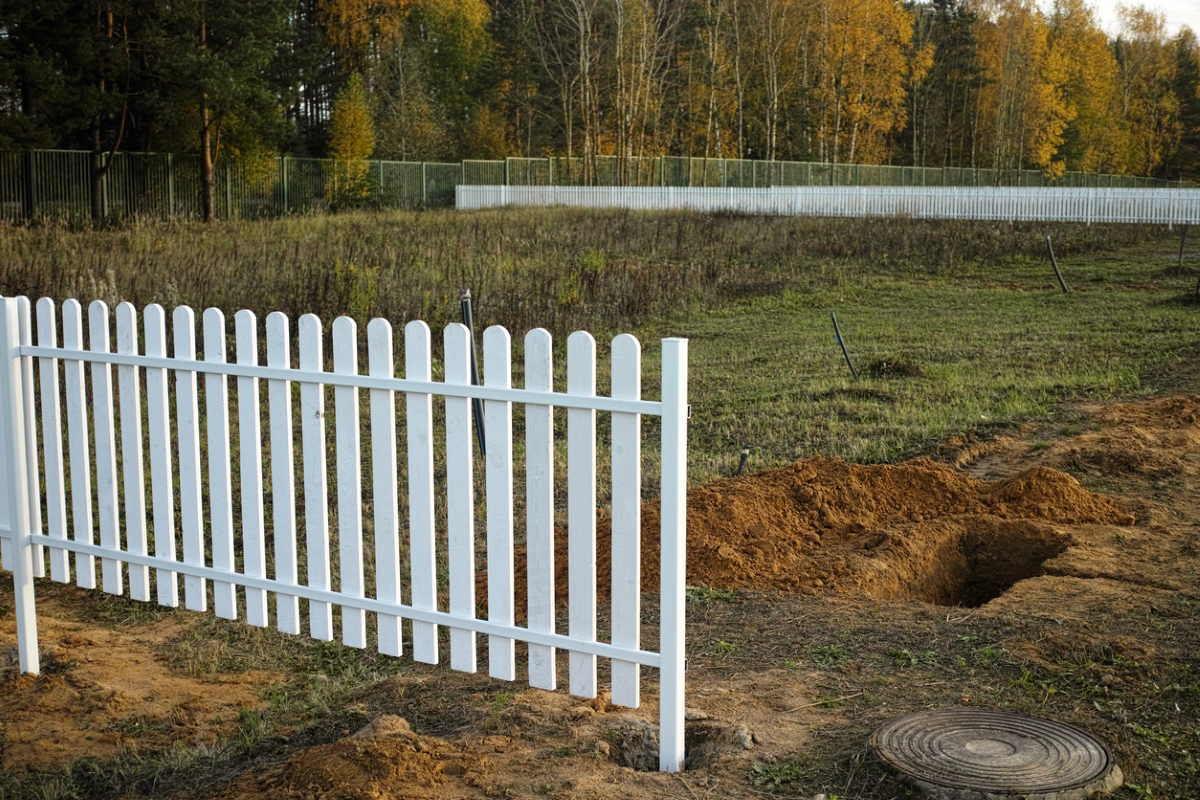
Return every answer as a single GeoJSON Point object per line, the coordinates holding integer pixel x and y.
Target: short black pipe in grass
{"type": "Point", "coordinates": [1054, 263]}
{"type": "Point", "coordinates": [1182, 243]}
{"type": "Point", "coordinates": [742, 463]}
{"type": "Point", "coordinates": [838, 333]}
{"type": "Point", "coordinates": [464, 302]}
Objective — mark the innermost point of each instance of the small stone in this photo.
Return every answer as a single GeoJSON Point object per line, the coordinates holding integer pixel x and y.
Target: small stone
{"type": "Point", "coordinates": [744, 737]}
{"type": "Point", "coordinates": [1106, 679]}
{"type": "Point", "coordinates": [604, 748]}
{"type": "Point", "coordinates": [693, 714]}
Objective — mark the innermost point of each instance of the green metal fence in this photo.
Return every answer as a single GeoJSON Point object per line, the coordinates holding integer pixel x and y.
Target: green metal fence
{"type": "Point", "coordinates": [57, 183]}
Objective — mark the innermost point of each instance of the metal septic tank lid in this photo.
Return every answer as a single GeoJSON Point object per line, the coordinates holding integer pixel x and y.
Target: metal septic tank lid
{"type": "Point", "coordinates": [978, 754]}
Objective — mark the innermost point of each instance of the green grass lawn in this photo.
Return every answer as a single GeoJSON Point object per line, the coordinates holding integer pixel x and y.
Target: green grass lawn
{"type": "Point", "coordinates": [937, 355]}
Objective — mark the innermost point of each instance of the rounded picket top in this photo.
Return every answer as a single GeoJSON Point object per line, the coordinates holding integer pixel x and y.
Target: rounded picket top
{"type": "Point", "coordinates": [380, 355]}
{"type": "Point", "coordinates": [497, 357]}
{"type": "Point", "coordinates": [98, 326]}
{"type": "Point", "coordinates": [245, 323]}
{"type": "Point", "coordinates": [308, 331]}
{"type": "Point", "coordinates": [417, 349]}
{"type": "Point", "coordinates": [581, 363]}
{"type": "Point", "coordinates": [539, 349]}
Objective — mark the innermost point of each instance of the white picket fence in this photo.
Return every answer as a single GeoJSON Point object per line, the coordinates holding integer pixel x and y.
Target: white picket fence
{"type": "Point", "coordinates": [1009, 204]}
{"type": "Point", "coordinates": [33, 528]}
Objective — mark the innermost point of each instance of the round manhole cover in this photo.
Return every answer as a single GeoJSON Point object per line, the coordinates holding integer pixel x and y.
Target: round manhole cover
{"type": "Point", "coordinates": [977, 754]}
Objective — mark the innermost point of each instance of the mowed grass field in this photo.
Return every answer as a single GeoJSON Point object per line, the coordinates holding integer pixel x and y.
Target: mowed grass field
{"type": "Point", "coordinates": [953, 326]}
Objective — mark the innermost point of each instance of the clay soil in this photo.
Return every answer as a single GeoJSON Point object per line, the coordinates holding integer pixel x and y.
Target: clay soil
{"type": "Point", "coordinates": [1051, 569]}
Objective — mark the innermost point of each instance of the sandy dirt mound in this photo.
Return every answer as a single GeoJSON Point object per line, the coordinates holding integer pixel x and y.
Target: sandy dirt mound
{"type": "Point", "coordinates": [822, 524]}
{"type": "Point", "coordinates": [384, 760]}
{"type": "Point", "coordinates": [106, 689]}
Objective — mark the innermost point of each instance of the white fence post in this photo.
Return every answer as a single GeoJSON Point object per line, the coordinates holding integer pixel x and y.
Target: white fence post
{"type": "Point", "coordinates": [674, 553]}
{"type": "Point", "coordinates": [16, 493]}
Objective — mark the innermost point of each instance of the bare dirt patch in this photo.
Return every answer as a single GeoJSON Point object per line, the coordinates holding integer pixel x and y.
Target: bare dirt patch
{"type": "Point", "coordinates": [107, 689]}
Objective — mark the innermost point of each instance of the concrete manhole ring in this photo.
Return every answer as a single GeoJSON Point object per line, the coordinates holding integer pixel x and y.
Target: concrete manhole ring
{"type": "Point", "coordinates": [978, 754]}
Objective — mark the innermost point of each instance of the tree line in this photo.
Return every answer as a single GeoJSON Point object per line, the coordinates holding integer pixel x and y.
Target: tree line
{"type": "Point", "coordinates": [1002, 84]}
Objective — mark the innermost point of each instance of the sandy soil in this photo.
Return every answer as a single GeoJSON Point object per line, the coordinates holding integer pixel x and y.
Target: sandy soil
{"type": "Point", "coordinates": [1001, 572]}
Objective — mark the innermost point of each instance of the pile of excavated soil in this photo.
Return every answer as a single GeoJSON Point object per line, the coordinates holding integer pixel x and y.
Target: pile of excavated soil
{"type": "Point", "coordinates": [918, 529]}
{"type": "Point", "coordinates": [384, 760]}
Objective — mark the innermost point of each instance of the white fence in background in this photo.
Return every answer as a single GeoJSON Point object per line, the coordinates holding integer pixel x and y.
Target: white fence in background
{"type": "Point", "coordinates": [1009, 204]}
{"type": "Point", "coordinates": [199, 542]}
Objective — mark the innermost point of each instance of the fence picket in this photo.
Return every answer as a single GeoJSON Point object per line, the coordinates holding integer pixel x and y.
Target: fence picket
{"type": "Point", "coordinates": [162, 479]}
{"type": "Point", "coordinates": [25, 336]}
{"type": "Point", "coordinates": [220, 489]}
{"type": "Point", "coordinates": [187, 412]}
{"type": "Point", "coordinates": [283, 472]}
{"type": "Point", "coordinates": [107, 509]}
{"type": "Point", "coordinates": [581, 510]}
{"type": "Point", "coordinates": [52, 442]}
{"type": "Point", "coordinates": [131, 451]}
{"type": "Point", "coordinates": [254, 547]}
{"type": "Point", "coordinates": [380, 364]}
{"type": "Point", "coordinates": [497, 415]}
{"type": "Point", "coordinates": [349, 481]}
{"type": "Point", "coordinates": [539, 507]}
{"type": "Point", "coordinates": [421, 547]}
{"type": "Point", "coordinates": [80, 447]}
{"type": "Point", "coordinates": [316, 502]}
{"type": "Point", "coordinates": [626, 519]}
{"type": "Point", "coordinates": [460, 496]}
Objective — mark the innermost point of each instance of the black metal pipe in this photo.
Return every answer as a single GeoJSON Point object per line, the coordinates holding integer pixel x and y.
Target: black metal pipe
{"type": "Point", "coordinates": [838, 332]}
{"type": "Point", "coordinates": [464, 303]}
{"type": "Point", "coordinates": [1054, 263]}
{"type": "Point", "coordinates": [742, 463]}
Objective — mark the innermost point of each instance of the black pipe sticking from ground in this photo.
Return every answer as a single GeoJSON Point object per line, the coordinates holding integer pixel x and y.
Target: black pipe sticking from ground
{"type": "Point", "coordinates": [464, 302]}
{"type": "Point", "coordinates": [1054, 263]}
{"type": "Point", "coordinates": [838, 333]}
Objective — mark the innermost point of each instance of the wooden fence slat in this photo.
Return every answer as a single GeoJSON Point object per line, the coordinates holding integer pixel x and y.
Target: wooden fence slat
{"type": "Point", "coordinates": [460, 496]}
{"type": "Point", "coordinates": [581, 510]}
{"type": "Point", "coordinates": [132, 460]}
{"type": "Point", "coordinates": [254, 546]}
{"type": "Point", "coordinates": [107, 507]}
{"type": "Point", "coordinates": [187, 411]}
{"type": "Point", "coordinates": [316, 501]}
{"type": "Point", "coordinates": [80, 445]}
{"type": "Point", "coordinates": [626, 519]}
{"type": "Point", "coordinates": [52, 441]}
{"type": "Point", "coordinates": [349, 481]}
{"type": "Point", "coordinates": [539, 507]}
{"type": "Point", "coordinates": [497, 415]}
{"type": "Point", "coordinates": [162, 478]}
{"type": "Point", "coordinates": [283, 472]}
{"type": "Point", "coordinates": [220, 489]}
{"type": "Point", "coordinates": [380, 364]}
{"type": "Point", "coordinates": [28, 390]}
{"type": "Point", "coordinates": [418, 366]}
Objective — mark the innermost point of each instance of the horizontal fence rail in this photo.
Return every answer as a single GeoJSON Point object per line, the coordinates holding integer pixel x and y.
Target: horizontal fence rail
{"type": "Point", "coordinates": [176, 483]}
{"type": "Point", "coordinates": [1165, 206]}
{"type": "Point", "coordinates": [71, 184]}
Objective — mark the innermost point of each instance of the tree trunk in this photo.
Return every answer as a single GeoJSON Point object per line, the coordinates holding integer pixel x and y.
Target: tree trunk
{"type": "Point", "coordinates": [207, 184]}
{"type": "Point", "coordinates": [96, 174]}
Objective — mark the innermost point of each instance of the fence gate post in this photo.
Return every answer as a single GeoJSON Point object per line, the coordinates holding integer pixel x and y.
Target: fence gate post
{"type": "Point", "coordinates": [16, 494]}
{"type": "Point", "coordinates": [673, 554]}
